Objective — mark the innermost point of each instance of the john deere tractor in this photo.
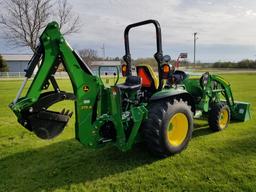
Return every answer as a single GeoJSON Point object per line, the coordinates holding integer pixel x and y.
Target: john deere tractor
{"type": "Point", "coordinates": [150, 108]}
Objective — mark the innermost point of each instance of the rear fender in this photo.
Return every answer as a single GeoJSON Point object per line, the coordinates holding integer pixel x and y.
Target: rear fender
{"type": "Point", "coordinates": [173, 93]}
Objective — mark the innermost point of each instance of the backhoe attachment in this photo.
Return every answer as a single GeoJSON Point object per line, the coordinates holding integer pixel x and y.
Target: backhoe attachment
{"type": "Point", "coordinates": [33, 113]}
{"type": "Point", "coordinates": [32, 109]}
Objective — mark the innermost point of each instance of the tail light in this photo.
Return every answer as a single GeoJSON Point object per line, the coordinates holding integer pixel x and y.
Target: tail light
{"type": "Point", "coordinates": [124, 70]}
{"type": "Point", "coordinates": [166, 71]}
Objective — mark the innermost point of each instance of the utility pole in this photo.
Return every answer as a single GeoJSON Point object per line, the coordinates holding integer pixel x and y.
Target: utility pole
{"type": "Point", "coordinates": [195, 38]}
{"type": "Point", "coordinates": [103, 50]}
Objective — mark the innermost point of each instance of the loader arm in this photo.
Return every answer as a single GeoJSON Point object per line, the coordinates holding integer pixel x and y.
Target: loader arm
{"type": "Point", "coordinates": [32, 109]}
{"type": "Point", "coordinates": [240, 111]}
{"type": "Point", "coordinates": [209, 88]}
{"type": "Point", "coordinates": [227, 93]}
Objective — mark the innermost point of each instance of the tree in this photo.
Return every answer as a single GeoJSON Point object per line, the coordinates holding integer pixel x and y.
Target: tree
{"type": "Point", "coordinates": [3, 66]}
{"type": "Point", "coordinates": [88, 55]}
{"type": "Point", "coordinates": [116, 59]}
{"type": "Point", "coordinates": [23, 20]}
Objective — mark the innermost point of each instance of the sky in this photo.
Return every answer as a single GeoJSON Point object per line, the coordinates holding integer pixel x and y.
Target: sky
{"type": "Point", "coordinates": [226, 29]}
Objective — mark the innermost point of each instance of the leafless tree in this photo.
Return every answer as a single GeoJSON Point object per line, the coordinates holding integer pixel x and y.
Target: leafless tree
{"type": "Point", "coordinates": [66, 18]}
{"type": "Point", "coordinates": [22, 21]}
{"type": "Point", "coordinates": [88, 55]}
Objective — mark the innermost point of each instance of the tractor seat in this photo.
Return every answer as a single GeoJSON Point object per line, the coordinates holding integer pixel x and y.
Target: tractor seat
{"type": "Point", "coordinates": [148, 76]}
{"type": "Point", "coordinates": [131, 83]}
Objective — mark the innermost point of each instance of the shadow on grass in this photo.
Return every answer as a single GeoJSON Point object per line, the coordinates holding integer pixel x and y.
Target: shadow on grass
{"type": "Point", "coordinates": [201, 129]}
{"type": "Point", "coordinates": [64, 163]}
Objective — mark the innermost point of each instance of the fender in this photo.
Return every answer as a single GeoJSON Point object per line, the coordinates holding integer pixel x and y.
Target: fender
{"type": "Point", "coordinates": [175, 93]}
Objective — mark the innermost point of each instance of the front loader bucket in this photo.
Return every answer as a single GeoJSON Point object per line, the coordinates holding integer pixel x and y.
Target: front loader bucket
{"type": "Point", "coordinates": [241, 111]}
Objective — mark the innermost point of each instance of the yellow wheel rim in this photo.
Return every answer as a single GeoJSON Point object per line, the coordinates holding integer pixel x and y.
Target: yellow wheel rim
{"type": "Point", "coordinates": [223, 119]}
{"type": "Point", "coordinates": [177, 129]}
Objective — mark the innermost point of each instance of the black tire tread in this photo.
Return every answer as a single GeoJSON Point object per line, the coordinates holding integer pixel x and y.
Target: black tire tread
{"type": "Point", "coordinates": [151, 128]}
{"type": "Point", "coordinates": [214, 115]}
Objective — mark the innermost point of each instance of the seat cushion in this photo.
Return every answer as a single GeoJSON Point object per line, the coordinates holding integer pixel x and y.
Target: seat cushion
{"type": "Point", "coordinates": [129, 87]}
{"type": "Point", "coordinates": [132, 80]}
{"type": "Point", "coordinates": [131, 83]}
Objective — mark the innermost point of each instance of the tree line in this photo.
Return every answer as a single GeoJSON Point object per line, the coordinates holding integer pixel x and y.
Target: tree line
{"type": "Point", "coordinates": [243, 64]}
{"type": "Point", "coordinates": [246, 63]}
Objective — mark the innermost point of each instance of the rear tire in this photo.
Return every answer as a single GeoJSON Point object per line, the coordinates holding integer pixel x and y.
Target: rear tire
{"type": "Point", "coordinates": [168, 128]}
{"type": "Point", "coordinates": [219, 116]}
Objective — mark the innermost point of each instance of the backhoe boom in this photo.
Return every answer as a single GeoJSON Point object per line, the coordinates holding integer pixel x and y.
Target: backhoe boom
{"type": "Point", "coordinates": [31, 110]}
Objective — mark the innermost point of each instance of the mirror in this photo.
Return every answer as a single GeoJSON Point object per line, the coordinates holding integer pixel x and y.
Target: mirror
{"type": "Point", "coordinates": [183, 55]}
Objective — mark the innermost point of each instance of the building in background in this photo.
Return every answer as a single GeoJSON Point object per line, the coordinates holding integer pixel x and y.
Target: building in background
{"type": "Point", "coordinates": [16, 63]}
{"type": "Point", "coordinates": [95, 64]}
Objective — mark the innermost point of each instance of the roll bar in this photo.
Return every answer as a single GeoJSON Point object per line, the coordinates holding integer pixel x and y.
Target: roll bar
{"type": "Point", "coordinates": [158, 55]}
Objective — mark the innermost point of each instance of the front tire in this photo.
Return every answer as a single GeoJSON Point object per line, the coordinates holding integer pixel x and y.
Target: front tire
{"type": "Point", "coordinates": [168, 128]}
{"type": "Point", "coordinates": [219, 116]}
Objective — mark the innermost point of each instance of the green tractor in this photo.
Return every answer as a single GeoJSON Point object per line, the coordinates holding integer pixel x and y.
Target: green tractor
{"type": "Point", "coordinates": [157, 110]}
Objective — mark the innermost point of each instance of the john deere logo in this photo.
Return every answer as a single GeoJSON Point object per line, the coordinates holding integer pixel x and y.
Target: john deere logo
{"type": "Point", "coordinates": [86, 88]}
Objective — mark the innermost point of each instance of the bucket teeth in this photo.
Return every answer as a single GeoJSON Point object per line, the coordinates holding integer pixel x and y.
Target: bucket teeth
{"type": "Point", "coordinates": [66, 112]}
{"type": "Point", "coordinates": [62, 111]}
{"type": "Point", "coordinates": [70, 114]}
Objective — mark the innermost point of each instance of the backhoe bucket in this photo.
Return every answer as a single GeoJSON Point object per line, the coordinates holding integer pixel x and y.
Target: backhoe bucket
{"type": "Point", "coordinates": [48, 124]}
{"type": "Point", "coordinates": [241, 111]}
{"type": "Point", "coordinates": [44, 123]}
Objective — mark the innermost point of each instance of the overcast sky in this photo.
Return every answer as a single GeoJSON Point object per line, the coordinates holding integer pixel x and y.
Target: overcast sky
{"type": "Point", "coordinates": [226, 29]}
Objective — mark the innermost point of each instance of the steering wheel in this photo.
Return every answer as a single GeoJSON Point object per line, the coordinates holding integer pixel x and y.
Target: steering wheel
{"type": "Point", "coordinates": [204, 79]}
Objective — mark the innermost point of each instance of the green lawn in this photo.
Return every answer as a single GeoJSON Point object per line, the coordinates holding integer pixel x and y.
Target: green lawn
{"type": "Point", "coordinates": [223, 161]}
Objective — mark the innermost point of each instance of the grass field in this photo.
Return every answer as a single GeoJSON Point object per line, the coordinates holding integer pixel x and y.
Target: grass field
{"type": "Point", "coordinates": [223, 161]}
